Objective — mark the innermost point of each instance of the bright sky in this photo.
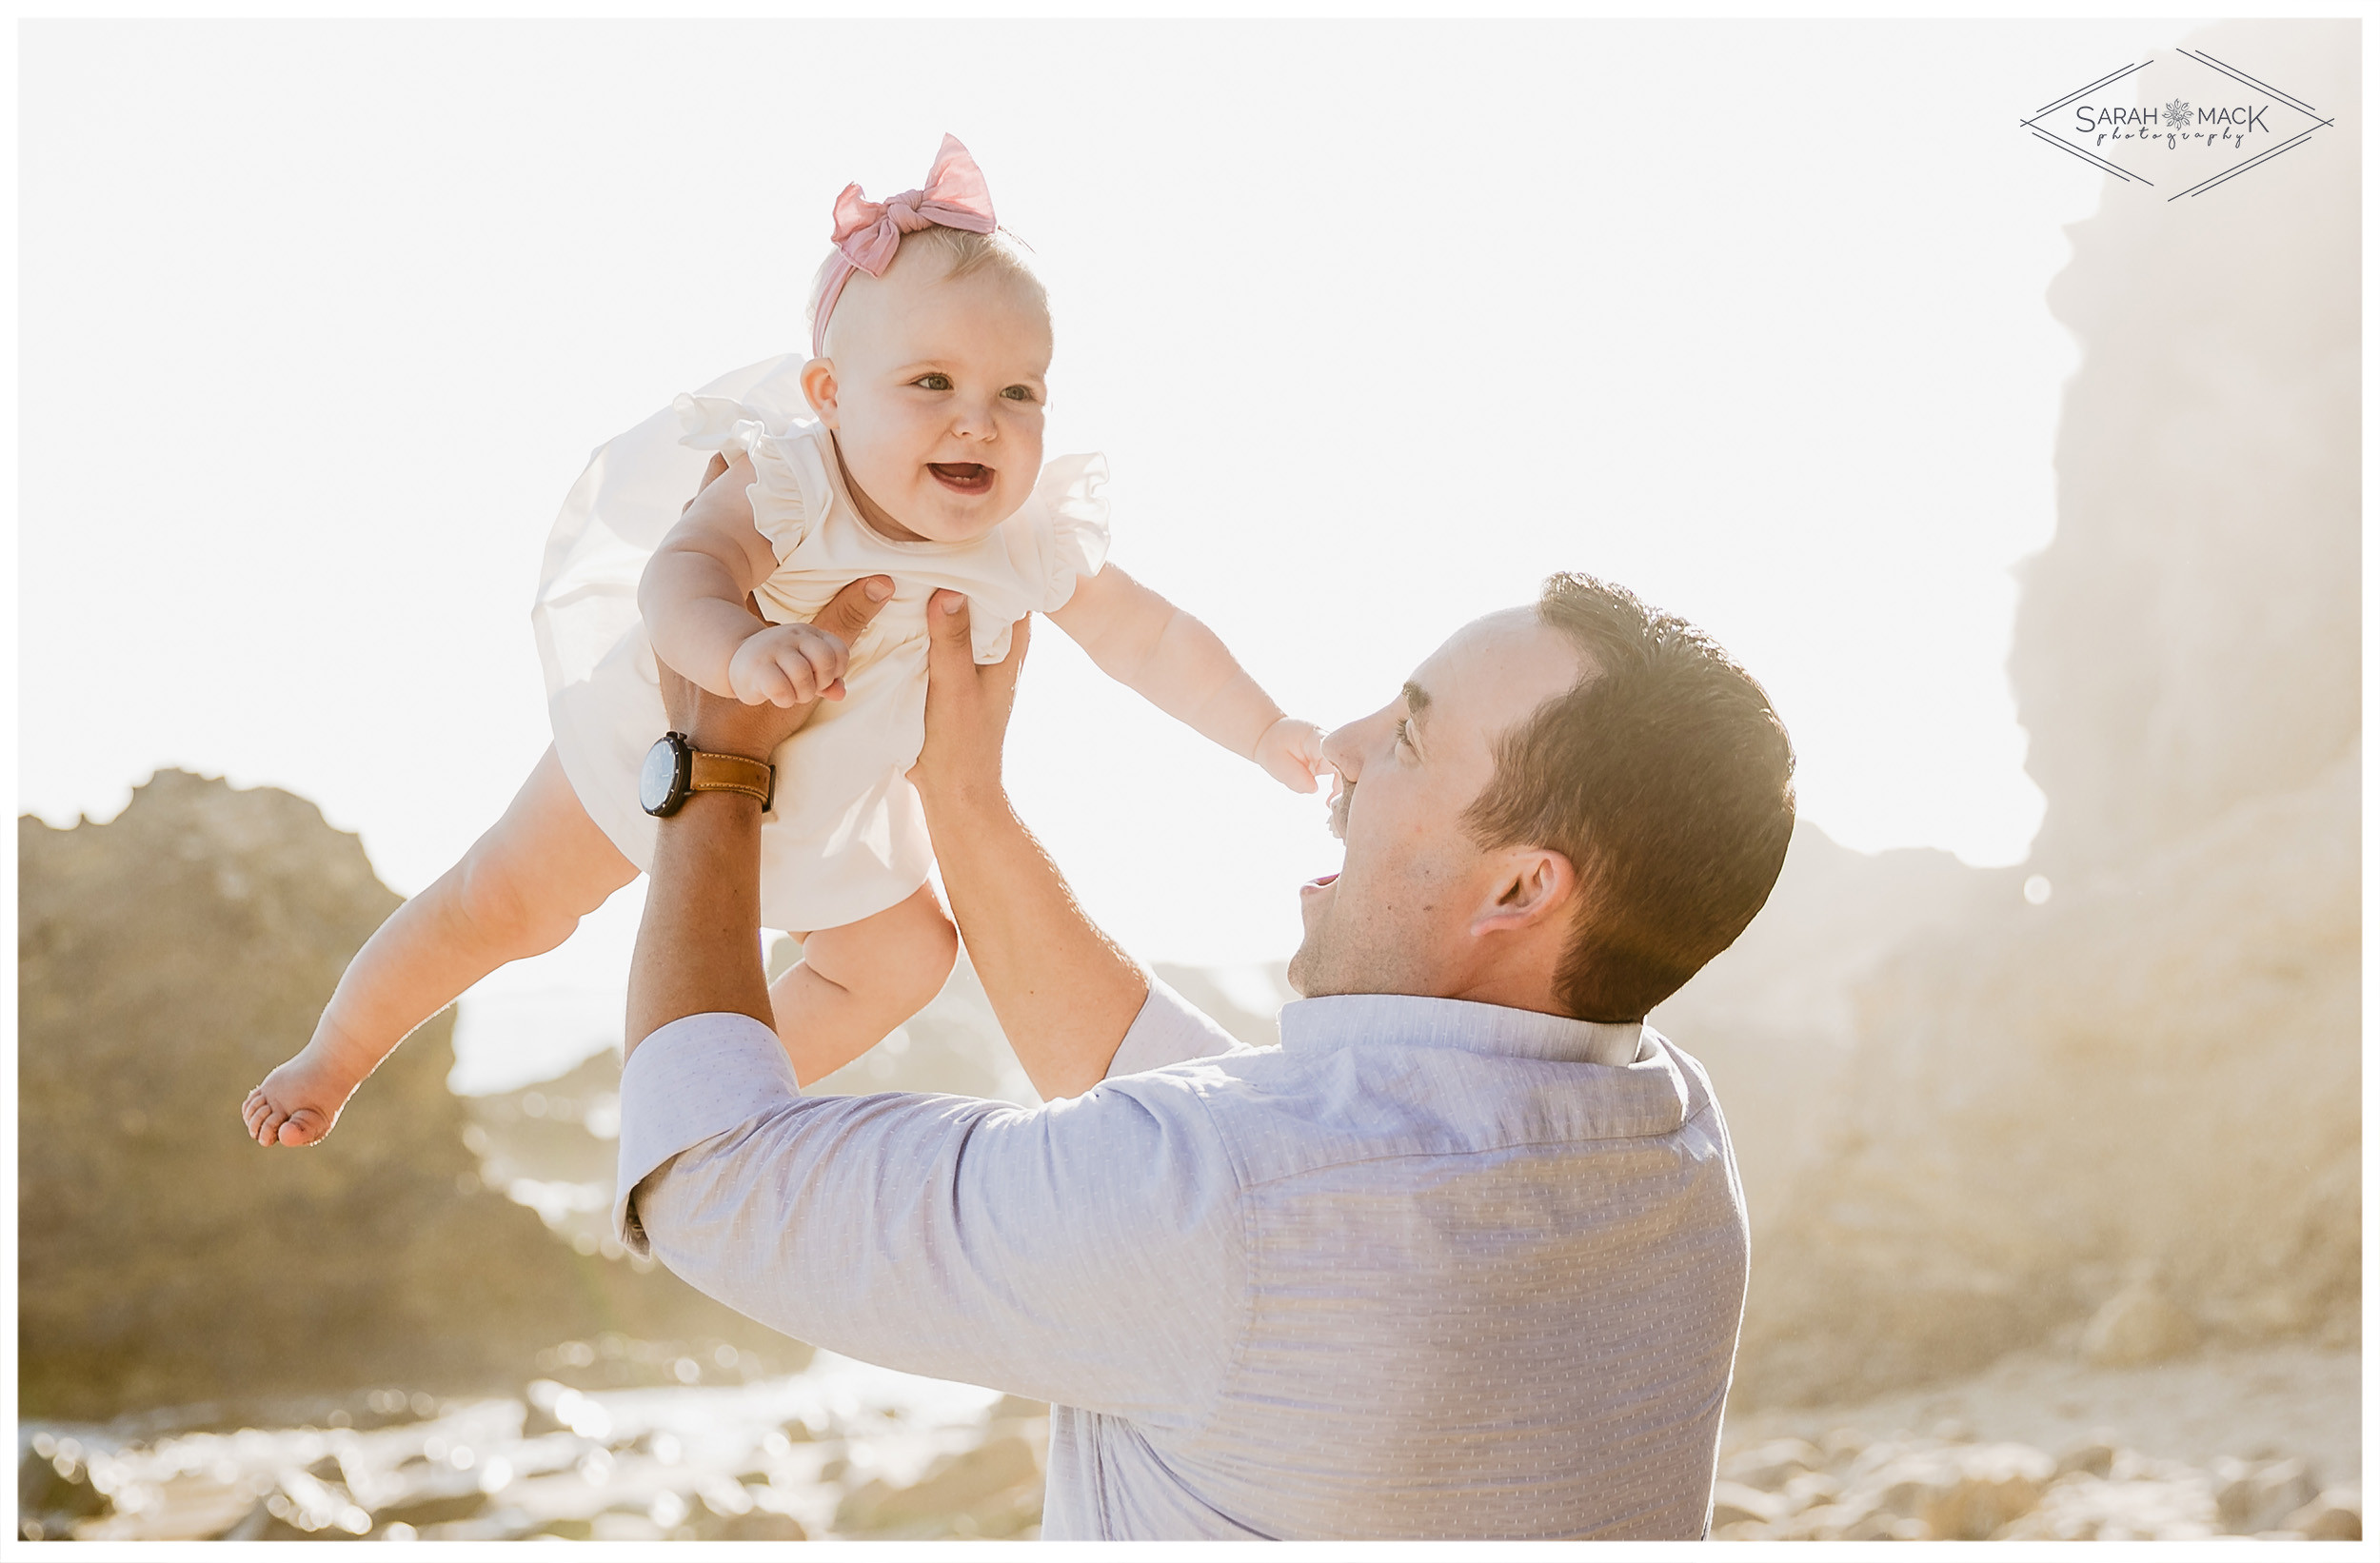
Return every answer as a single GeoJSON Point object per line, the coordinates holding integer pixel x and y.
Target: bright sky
{"type": "Point", "coordinates": [1378, 324]}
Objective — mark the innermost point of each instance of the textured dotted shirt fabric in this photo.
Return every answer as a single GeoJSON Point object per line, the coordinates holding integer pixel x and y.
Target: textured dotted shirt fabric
{"type": "Point", "coordinates": [1425, 1270]}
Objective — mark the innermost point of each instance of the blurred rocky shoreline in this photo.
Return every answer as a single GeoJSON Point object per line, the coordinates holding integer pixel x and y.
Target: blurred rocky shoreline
{"type": "Point", "coordinates": [632, 1441]}
{"type": "Point", "coordinates": [2264, 1442]}
{"type": "Point", "coordinates": [627, 1442]}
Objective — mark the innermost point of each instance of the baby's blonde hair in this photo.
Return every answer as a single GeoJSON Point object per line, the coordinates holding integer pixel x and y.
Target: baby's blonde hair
{"type": "Point", "coordinates": [964, 255]}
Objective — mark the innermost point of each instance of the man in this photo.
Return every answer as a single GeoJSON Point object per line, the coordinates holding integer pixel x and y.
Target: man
{"type": "Point", "coordinates": [1464, 1255]}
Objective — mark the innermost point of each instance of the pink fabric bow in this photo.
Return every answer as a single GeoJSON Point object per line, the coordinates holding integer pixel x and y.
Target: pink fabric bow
{"type": "Point", "coordinates": [867, 233]}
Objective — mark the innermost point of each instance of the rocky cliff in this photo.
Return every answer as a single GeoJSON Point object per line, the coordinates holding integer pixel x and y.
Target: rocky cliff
{"type": "Point", "coordinates": [2125, 1119]}
{"type": "Point", "coordinates": [166, 960]}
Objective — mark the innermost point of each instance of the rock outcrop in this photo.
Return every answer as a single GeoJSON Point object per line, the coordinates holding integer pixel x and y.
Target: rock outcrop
{"type": "Point", "coordinates": [2126, 1116]}
{"type": "Point", "coordinates": [1776, 1018]}
{"type": "Point", "coordinates": [1913, 1489]}
{"type": "Point", "coordinates": [166, 960]}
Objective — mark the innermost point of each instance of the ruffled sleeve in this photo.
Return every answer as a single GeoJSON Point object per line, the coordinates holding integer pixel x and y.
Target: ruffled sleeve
{"type": "Point", "coordinates": [1071, 495]}
{"type": "Point", "coordinates": [789, 485]}
{"type": "Point", "coordinates": [718, 422]}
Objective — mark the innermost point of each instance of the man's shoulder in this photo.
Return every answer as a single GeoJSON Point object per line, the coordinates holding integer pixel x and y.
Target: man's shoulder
{"type": "Point", "coordinates": [1288, 1110]}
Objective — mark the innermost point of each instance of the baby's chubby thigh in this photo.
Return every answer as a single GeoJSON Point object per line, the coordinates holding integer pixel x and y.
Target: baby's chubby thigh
{"type": "Point", "coordinates": [891, 963]}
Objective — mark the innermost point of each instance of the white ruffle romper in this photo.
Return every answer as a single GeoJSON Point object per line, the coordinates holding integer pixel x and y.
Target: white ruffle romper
{"type": "Point", "coordinates": [846, 836]}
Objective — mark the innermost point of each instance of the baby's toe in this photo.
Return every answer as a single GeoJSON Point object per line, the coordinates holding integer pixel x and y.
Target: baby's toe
{"type": "Point", "coordinates": [268, 1126]}
{"type": "Point", "coordinates": [303, 1127]}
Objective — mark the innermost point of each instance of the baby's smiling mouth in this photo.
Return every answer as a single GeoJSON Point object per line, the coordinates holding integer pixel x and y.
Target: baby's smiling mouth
{"type": "Point", "coordinates": [962, 477]}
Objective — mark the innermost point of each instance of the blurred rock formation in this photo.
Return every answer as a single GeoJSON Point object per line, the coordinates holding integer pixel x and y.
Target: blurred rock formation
{"type": "Point", "coordinates": [2128, 1115]}
{"type": "Point", "coordinates": [1953, 1489]}
{"type": "Point", "coordinates": [166, 960]}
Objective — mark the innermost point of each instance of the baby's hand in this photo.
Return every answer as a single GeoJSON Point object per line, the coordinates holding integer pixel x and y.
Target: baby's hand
{"type": "Point", "coordinates": [1292, 752]}
{"type": "Point", "coordinates": [787, 664]}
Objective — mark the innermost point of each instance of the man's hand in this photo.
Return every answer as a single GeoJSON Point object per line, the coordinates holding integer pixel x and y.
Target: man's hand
{"type": "Point", "coordinates": [966, 706]}
{"type": "Point", "coordinates": [719, 726]}
{"type": "Point", "coordinates": [1065, 994]}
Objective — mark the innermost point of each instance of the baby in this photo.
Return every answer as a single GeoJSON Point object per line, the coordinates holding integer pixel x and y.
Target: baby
{"type": "Point", "coordinates": [907, 445]}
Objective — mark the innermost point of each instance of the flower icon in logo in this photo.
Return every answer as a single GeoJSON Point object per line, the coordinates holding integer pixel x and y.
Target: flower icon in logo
{"type": "Point", "coordinates": [2178, 114]}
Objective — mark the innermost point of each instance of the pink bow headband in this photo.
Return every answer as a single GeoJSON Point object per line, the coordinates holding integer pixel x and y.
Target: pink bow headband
{"type": "Point", "coordinates": [867, 233]}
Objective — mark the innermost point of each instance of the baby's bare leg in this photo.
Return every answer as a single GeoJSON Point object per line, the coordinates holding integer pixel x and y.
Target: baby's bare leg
{"type": "Point", "coordinates": [518, 892]}
{"type": "Point", "coordinates": [854, 983]}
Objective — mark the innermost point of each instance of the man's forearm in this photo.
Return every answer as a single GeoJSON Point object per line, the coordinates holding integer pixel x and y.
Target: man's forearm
{"type": "Point", "coordinates": [698, 951]}
{"type": "Point", "coordinates": [1065, 994]}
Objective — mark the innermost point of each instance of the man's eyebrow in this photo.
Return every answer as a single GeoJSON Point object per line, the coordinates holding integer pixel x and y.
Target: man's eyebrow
{"type": "Point", "coordinates": [1416, 699]}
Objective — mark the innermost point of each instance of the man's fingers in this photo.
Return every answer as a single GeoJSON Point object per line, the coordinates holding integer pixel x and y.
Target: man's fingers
{"type": "Point", "coordinates": [946, 627]}
{"type": "Point", "coordinates": [855, 607]}
{"type": "Point", "coordinates": [1001, 675]}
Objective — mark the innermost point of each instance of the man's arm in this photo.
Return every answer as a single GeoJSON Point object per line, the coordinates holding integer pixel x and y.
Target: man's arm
{"type": "Point", "coordinates": [698, 950]}
{"type": "Point", "coordinates": [1064, 992]}
{"type": "Point", "coordinates": [1088, 1252]}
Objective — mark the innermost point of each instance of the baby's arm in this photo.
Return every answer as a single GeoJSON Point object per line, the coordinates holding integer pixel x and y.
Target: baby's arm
{"type": "Point", "coordinates": [694, 598]}
{"type": "Point", "coordinates": [1184, 669]}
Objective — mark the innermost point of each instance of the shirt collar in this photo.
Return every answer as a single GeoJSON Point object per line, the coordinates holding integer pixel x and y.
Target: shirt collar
{"type": "Point", "coordinates": [1316, 1025]}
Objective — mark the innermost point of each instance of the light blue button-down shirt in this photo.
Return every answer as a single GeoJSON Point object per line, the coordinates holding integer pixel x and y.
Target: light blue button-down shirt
{"type": "Point", "coordinates": [1426, 1269]}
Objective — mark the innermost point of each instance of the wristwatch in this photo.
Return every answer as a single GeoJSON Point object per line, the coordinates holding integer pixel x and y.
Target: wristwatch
{"type": "Point", "coordinates": [675, 770]}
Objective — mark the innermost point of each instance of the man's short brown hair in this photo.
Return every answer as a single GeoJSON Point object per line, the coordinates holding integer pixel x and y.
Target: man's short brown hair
{"type": "Point", "coordinates": [1665, 778]}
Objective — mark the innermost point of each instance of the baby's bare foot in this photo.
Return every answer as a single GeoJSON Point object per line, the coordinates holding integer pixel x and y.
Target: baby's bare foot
{"type": "Point", "coordinates": [298, 1102]}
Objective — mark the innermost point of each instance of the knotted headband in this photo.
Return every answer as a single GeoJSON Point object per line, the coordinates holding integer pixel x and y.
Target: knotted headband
{"type": "Point", "coordinates": [867, 233]}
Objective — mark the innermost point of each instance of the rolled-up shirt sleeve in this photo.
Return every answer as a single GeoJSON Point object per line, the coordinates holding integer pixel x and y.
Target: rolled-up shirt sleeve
{"type": "Point", "coordinates": [1087, 1252]}
{"type": "Point", "coordinates": [1169, 1030]}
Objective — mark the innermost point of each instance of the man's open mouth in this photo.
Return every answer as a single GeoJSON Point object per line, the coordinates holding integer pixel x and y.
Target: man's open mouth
{"type": "Point", "coordinates": [962, 477]}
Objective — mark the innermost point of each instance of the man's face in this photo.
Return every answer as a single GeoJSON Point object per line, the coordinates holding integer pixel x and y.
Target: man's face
{"type": "Point", "coordinates": [1397, 916]}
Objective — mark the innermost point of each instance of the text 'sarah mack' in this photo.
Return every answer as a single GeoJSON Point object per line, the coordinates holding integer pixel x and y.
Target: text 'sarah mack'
{"type": "Point", "coordinates": [2142, 123]}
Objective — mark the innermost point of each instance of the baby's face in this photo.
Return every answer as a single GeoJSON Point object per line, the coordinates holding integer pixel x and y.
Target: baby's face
{"type": "Point", "coordinates": [935, 394]}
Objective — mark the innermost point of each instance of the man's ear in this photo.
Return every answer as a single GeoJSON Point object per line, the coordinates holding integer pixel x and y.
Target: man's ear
{"type": "Point", "coordinates": [817, 385]}
{"type": "Point", "coordinates": [1537, 886]}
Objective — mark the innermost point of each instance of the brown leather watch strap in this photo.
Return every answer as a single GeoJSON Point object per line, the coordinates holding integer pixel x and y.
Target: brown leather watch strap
{"type": "Point", "coordinates": [732, 773]}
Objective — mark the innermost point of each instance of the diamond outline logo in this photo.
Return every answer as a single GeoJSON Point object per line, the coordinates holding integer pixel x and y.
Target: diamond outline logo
{"type": "Point", "coordinates": [2176, 113]}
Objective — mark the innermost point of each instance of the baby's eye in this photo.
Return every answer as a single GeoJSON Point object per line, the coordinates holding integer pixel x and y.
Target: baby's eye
{"type": "Point", "coordinates": [1401, 736]}
{"type": "Point", "coordinates": [932, 382]}
{"type": "Point", "coordinates": [1019, 393]}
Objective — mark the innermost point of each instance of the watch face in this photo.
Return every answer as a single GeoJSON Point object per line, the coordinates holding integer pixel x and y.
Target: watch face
{"type": "Point", "coordinates": [657, 786]}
